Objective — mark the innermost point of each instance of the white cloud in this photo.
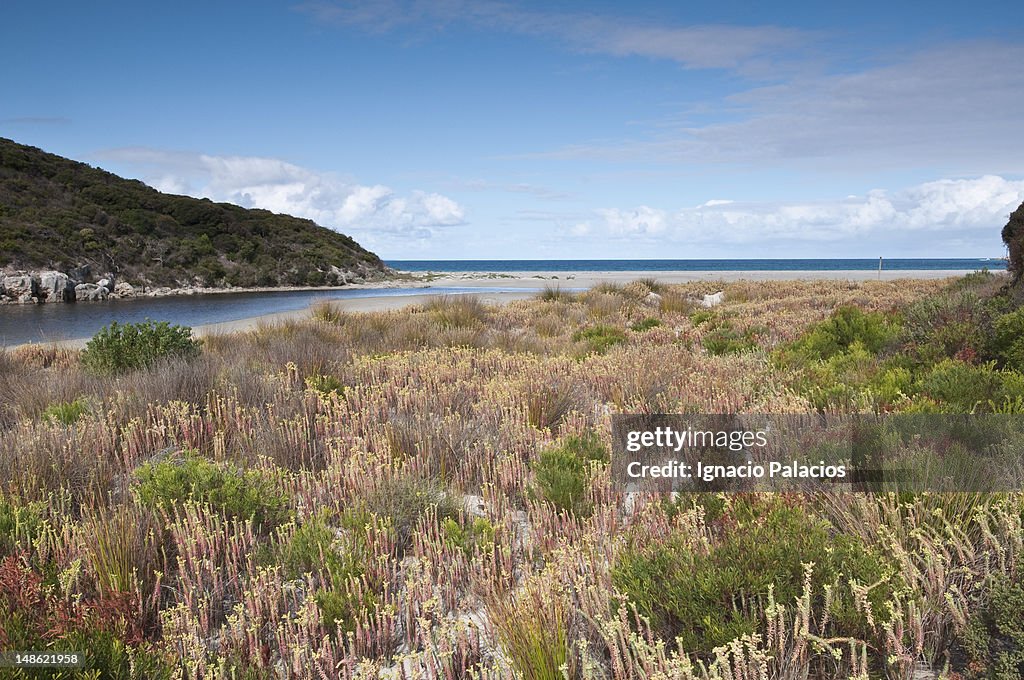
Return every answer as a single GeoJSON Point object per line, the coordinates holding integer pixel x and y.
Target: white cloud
{"type": "Point", "coordinates": [971, 209]}
{"type": "Point", "coordinates": [692, 46]}
{"type": "Point", "coordinates": [954, 109]}
{"type": "Point", "coordinates": [642, 221]}
{"type": "Point", "coordinates": [283, 187]}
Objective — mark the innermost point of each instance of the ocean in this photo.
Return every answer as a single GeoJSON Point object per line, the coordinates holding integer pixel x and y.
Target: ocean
{"type": "Point", "coordinates": [795, 265]}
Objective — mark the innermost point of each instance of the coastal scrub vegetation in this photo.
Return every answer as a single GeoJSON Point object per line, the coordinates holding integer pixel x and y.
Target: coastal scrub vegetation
{"type": "Point", "coordinates": [427, 493]}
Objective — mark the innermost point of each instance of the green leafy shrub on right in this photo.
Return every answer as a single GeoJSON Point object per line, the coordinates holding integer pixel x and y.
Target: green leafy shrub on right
{"type": "Point", "coordinates": [709, 596]}
{"type": "Point", "coordinates": [236, 493]}
{"type": "Point", "coordinates": [960, 387]}
{"type": "Point", "coordinates": [119, 348]}
{"type": "Point", "coordinates": [562, 473]}
{"type": "Point", "coordinates": [846, 326]}
{"type": "Point", "coordinates": [952, 323]}
{"type": "Point", "coordinates": [991, 645]}
{"type": "Point", "coordinates": [1007, 341]}
{"type": "Point", "coordinates": [600, 338]}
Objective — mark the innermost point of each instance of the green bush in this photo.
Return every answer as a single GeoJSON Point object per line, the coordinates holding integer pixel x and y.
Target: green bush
{"type": "Point", "coordinates": [1007, 342]}
{"type": "Point", "coordinates": [337, 556]}
{"type": "Point", "coordinates": [66, 413]}
{"type": "Point", "coordinates": [846, 326]}
{"type": "Point", "coordinates": [477, 534]}
{"type": "Point", "coordinates": [645, 324]}
{"type": "Point", "coordinates": [991, 645]}
{"type": "Point", "coordinates": [600, 338]}
{"type": "Point", "coordinates": [119, 348]}
{"type": "Point", "coordinates": [326, 384]}
{"type": "Point", "coordinates": [19, 524]}
{"type": "Point", "coordinates": [959, 387]}
{"type": "Point", "coordinates": [724, 339]}
{"type": "Point", "coordinates": [562, 473]}
{"type": "Point", "coordinates": [949, 324]}
{"type": "Point", "coordinates": [236, 493]}
{"type": "Point", "coordinates": [702, 316]}
{"type": "Point", "coordinates": [707, 597]}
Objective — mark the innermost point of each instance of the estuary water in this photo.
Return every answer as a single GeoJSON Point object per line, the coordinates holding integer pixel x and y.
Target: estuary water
{"type": "Point", "coordinates": [20, 324]}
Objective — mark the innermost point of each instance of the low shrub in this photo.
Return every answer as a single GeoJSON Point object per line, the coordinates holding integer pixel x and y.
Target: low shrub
{"type": "Point", "coordinates": [960, 387]}
{"type": "Point", "coordinates": [846, 326]}
{"type": "Point", "coordinates": [337, 555]}
{"type": "Point", "coordinates": [66, 413]}
{"type": "Point", "coordinates": [645, 324]}
{"type": "Point", "coordinates": [991, 645]}
{"type": "Point", "coordinates": [708, 596]}
{"type": "Point", "coordinates": [600, 338]}
{"type": "Point", "coordinates": [562, 473]}
{"type": "Point", "coordinates": [1007, 342]}
{"type": "Point", "coordinates": [724, 339]}
{"type": "Point", "coordinates": [119, 348]}
{"type": "Point", "coordinates": [477, 534]}
{"type": "Point", "coordinates": [402, 501]}
{"type": "Point", "coordinates": [702, 316]}
{"type": "Point", "coordinates": [235, 493]}
{"type": "Point", "coordinates": [325, 384]}
{"type": "Point", "coordinates": [19, 524]}
{"type": "Point", "coordinates": [35, 615]}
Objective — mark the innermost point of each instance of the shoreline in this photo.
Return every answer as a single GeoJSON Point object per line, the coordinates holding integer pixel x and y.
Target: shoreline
{"type": "Point", "coordinates": [525, 285]}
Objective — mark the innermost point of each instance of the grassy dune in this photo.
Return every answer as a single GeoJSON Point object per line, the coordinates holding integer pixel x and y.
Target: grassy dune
{"type": "Point", "coordinates": [426, 494]}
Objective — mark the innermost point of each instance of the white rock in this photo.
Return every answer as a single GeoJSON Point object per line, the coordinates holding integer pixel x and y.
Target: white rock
{"type": "Point", "coordinates": [124, 289]}
{"type": "Point", "coordinates": [713, 299]}
{"type": "Point", "coordinates": [55, 287]}
{"type": "Point", "coordinates": [20, 287]}
{"type": "Point", "coordinates": [90, 292]}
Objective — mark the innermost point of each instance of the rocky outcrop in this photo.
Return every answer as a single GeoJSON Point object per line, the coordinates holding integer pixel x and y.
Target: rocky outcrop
{"type": "Point", "coordinates": [56, 287]}
{"type": "Point", "coordinates": [123, 289]}
{"type": "Point", "coordinates": [20, 287]}
{"type": "Point", "coordinates": [91, 292]}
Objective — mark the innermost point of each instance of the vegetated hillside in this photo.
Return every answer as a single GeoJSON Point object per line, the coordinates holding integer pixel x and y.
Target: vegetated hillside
{"type": "Point", "coordinates": [60, 214]}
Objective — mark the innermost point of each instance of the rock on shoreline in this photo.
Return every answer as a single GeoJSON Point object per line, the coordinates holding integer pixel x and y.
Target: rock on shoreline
{"type": "Point", "coordinates": [53, 286]}
{"type": "Point", "coordinates": [32, 287]}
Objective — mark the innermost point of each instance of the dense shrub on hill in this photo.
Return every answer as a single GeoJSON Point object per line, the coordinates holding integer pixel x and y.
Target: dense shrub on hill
{"type": "Point", "coordinates": [59, 214]}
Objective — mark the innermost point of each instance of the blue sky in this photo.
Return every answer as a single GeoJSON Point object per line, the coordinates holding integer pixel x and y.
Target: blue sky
{"type": "Point", "coordinates": [453, 129]}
